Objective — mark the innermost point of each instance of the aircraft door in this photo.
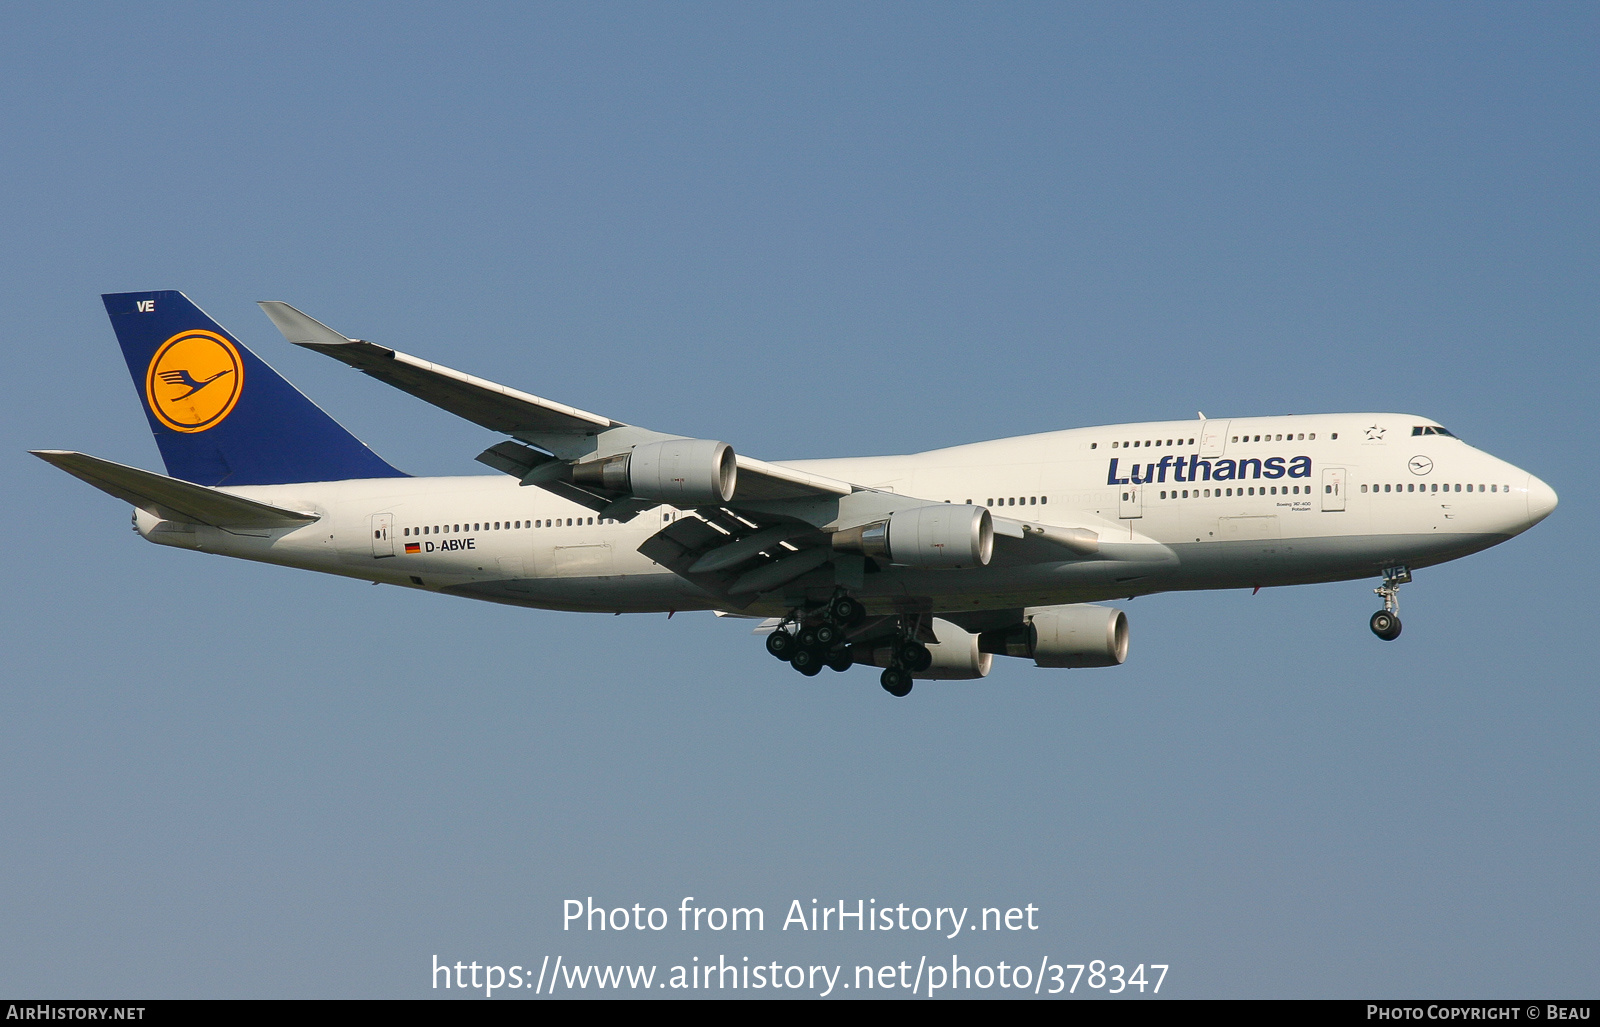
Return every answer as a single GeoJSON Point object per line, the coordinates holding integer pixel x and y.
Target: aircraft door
{"type": "Point", "coordinates": [1333, 488]}
{"type": "Point", "coordinates": [1132, 504]}
{"type": "Point", "coordinates": [382, 535]}
{"type": "Point", "coordinates": [1213, 438]}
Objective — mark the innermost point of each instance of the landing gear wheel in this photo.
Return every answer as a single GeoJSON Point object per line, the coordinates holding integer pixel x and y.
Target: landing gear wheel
{"type": "Point", "coordinates": [1386, 622]}
{"type": "Point", "coordinates": [807, 638]}
{"type": "Point", "coordinates": [806, 661]}
{"type": "Point", "coordinates": [840, 659]}
{"type": "Point", "coordinates": [826, 634]}
{"type": "Point", "coordinates": [914, 656]}
{"type": "Point", "coordinates": [896, 682]}
{"type": "Point", "coordinates": [846, 611]}
{"type": "Point", "coordinates": [781, 644]}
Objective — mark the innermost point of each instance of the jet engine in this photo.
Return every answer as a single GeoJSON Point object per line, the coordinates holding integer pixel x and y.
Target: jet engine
{"type": "Point", "coordinates": [955, 658]}
{"type": "Point", "coordinates": [1064, 636]}
{"type": "Point", "coordinates": [682, 472]}
{"type": "Point", "coordinates": [942, 535]}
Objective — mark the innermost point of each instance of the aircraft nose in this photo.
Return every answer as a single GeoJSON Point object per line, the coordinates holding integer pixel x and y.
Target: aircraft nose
{"type": "Point", "coordinates": [1541, 500]}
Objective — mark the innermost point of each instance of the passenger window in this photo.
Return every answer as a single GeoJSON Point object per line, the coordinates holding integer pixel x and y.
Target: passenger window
{"type": "Point", "coordinates": [1093, 445]}
{"type": "Point", "coordinates": [1043, 500]}
{"type": "Point", "coordinates": [1033, 500]}
{"type": "Point", "coordinates": [1113, 445]}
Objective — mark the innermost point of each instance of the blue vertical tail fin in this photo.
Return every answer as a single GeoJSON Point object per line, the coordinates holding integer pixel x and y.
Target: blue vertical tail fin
{"type": "Point", "coordinates": [220, 415]}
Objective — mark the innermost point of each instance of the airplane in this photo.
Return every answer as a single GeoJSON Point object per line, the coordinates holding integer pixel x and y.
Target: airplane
{"type": "Point", "coordinates": [926, 565]}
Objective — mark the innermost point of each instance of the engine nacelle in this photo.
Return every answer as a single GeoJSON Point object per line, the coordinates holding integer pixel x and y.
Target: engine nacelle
{"type": "Point", "coordinates": [682, 472]}
{"type": "Point", "coordinates": [956, 657]}
{"type": "Point", "coordinates": [1065, 636]}
{"type": "Point", "coordinates": [941, 535]}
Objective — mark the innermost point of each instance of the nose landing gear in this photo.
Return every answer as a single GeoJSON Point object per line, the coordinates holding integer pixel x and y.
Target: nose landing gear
{"type": "Point", "coordinates": [1386, 622]}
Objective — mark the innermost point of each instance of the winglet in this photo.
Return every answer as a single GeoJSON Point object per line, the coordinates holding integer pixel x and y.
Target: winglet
{"type": "Point", "coordinates": [300, 328]}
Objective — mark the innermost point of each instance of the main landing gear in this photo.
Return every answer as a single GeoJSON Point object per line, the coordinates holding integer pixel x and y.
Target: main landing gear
{"type": "Point", "coordinates": [910, 657]}
{"type": "Point", "coordinates": [809, 642]}
{"type": "Point", "coordinates": [1386, 622]}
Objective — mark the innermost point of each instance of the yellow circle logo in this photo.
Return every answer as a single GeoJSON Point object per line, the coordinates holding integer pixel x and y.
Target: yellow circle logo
{"type": "Point", "coordinates": [194, 380]}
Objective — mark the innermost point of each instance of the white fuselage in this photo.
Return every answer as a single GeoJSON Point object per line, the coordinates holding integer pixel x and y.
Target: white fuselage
{"type": "Point", "coordinates": [1318, 498]}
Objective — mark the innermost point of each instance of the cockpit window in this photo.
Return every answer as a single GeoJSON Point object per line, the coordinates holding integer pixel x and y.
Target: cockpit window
{"type": "Point", "coordinates": [1432, 429]}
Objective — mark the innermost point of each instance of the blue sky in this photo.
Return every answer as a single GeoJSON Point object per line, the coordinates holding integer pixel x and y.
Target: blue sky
{"type": "Point", "coordinates": [810, 230]}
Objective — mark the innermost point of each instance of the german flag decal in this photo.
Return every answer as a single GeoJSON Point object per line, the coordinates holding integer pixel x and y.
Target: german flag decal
{"type": "Point", "coordinates": [413, 547]}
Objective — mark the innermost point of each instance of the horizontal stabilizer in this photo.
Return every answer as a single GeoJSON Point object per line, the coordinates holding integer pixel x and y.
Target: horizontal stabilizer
{"type": "Point", "coordinates": [170, 498]}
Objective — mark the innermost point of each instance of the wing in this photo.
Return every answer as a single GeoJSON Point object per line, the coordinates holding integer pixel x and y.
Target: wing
{"type": "Point", "coordinates": [774, 532]}
{"type": "Point", "coordinates": [567, 434]}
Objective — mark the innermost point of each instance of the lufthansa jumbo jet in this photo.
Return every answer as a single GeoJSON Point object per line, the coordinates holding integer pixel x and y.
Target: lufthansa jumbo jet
{"type": "Point", "coordinates": [926, 565]}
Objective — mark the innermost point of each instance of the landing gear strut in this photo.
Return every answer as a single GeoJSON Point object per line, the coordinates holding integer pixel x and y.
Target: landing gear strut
{"type": "Point", "coordinates": [1386, 622]}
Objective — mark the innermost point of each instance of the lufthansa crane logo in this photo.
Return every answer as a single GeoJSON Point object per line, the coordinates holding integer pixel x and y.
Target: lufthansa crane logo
{"type": "Point", "coordinates": [194, 381]}
{"type": "Point", "coordinates": [1420, 465]}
